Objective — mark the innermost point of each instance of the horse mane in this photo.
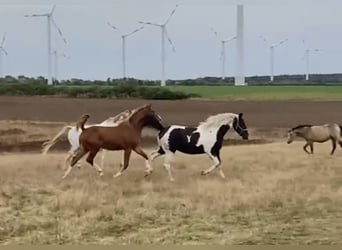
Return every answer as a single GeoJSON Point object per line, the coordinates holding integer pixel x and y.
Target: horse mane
{"type": "Point", "coordinates": [119, 117]}
{"type": "Point", "coordinates": [138, 110]}
{"type": "Point", "coordinates": [217, 120]}
{"type": "Point", "coordinates": [302, 126]}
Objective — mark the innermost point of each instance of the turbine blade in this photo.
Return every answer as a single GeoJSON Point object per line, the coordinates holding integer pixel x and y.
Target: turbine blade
{"type": "Point", "coordinates": [134, 31]}
{"type": "Point", "coordinates": [214, 31]}
{"type": "Point", "coordinates": [170, 41]}
{"type": "Point", "coordinates": [171, 14]}
{"type": "Point", "coordinates": [3, 40]}
{"type": "Point", "coordinates": [52, 10]}
{"type": "Point", "coordinates": [2, 49]}
{"type": "Point", "coordinates": [112, 26]}
{"type": "Point", "coordinates": [230, 39]}
{"type": "Point", "coordinates": [281, 42]}
{"type": "Point", "coordinates": [59, 30]}
{"type": "Point", "coordinates": [263, 38]}
{"type": "Point", "coordinates": [36, 15]}
{"type": "Point", "coordinates": [149, 23]}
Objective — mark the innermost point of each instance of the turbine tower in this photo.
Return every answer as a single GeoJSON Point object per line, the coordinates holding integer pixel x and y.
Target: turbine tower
{"type": "Point", "coordinates": [240, 46]}
{"type": "Point", "coordinates": [124, 36]}
{"type": "Point", "coordinates": [56, 54]}
{"type": "Point", "coordinates": [163, 35]}
{"type": "Point", "coordinates": [50, 20]}
{"type": "Point", "coordinates": [272, 46]}
{"type": "Point", "coordinates": [2, 52]}
{"type": "Point", "coordinates": [307, 60]}
{"type": "Point", "coordinates": [223, 53]}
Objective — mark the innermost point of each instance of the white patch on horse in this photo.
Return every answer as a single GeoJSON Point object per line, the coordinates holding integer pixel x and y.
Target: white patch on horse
{"type": "Point", "coordinates": [211, 126]}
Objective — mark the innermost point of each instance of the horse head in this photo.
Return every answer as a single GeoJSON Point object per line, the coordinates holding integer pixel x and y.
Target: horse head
{"type": "Point", "coordinates": [146, 116]}
{"type": "Point", "coordinates": [240, 127]}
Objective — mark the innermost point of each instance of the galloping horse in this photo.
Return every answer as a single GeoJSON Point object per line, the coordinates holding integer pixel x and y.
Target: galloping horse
{"type": "Point", "coordinates": [126, 136]}
{"type": "Point", "coordinates": [74, 135]}
{"type": "Point", "coordinates": [207, 138]}
{"type": "Point", "coordinates": [312, 133]}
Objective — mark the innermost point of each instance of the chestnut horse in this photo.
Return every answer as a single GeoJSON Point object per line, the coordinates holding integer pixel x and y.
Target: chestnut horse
{"type": "Point", "coordinates": [126, 136]}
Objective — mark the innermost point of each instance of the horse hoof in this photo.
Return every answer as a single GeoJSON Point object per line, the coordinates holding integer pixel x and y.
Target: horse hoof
{"type": "Point", "coordinates": [203, 172]}
{"type": "Point", "coordinates": [101, 173]}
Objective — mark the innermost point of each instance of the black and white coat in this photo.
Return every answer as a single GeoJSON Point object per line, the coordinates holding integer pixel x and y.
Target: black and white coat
{"type": "Point", "coordinates": [207, 138]}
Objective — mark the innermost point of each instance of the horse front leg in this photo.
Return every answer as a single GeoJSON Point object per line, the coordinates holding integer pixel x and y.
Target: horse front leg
{"type": "Point", "coordinates": [333, 141]}
{"type": "Point", "coordinates": [217, 164]}
{"type": "Point", "coordinates": [149, 168]}
{"type": "Point", "coordinates": [102, 157]}
{"type": "Point", "coordinates": [155, 154]}
{"type": "Point", "coordinates": [167, 164]}
{"type": "Point", "coordinates": [123, 166]}
{"type": "Point", "coordinates": [305, 146]}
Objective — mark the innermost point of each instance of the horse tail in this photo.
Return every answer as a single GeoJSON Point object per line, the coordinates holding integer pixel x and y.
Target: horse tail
{"type": "Point", "coordinates": [48, 144]}
{"type": "Point", "coordinates": [340, 129]}
{"type": "Point", "coordinates": [83, 119]}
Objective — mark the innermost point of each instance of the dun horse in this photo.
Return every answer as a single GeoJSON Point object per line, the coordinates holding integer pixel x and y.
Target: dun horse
{"type": "Point", "coordinates": [319, 134]}
{"type": "Point", "coordinates": [207, 138]}
{"type": "Point", "coordinates": [126, 136]}
{"type": "Point", "coordinates": [74, 134]}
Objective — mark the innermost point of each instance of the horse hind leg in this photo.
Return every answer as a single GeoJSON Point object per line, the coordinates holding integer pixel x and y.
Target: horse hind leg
{"type": "Point", "coordinates": [79, 154]}
{"type": "Point", "coordinates": [90, 160]}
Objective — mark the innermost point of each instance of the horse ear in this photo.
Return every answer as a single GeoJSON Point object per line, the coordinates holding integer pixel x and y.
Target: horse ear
{"type": "Point", "coordinates": [240, 115]}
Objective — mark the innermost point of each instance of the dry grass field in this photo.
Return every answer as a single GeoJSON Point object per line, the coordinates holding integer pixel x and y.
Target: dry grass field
{"type": "Point", "coordinates": [274, 193]}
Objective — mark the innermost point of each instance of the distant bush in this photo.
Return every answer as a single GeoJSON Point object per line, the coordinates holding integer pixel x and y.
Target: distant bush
{"type": "Point", "coordinates": [99, 91]}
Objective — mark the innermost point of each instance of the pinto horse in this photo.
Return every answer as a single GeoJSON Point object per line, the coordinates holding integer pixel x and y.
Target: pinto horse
{"type": "Point", "coordinates": [207, 138]}
{"type": "Point", "coordinates": [73, 135]}
{"type": "Point", "coordinates": [126, 136]}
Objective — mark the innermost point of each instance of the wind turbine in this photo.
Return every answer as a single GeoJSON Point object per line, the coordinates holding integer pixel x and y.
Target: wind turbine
{"type": "Point", "coordinates": [163, 35]}
{"type": "Point", "coordinates": [124, 36]}
{"type": "Point", "coordinates": [56, 55]}
{"type": "Point", "coordinates": [307, 60]}
{"type": "Point", "coordinates": [49, 21]}
{"type": "Point", "coordinates": [272, 47]}
{"type": "Point", "coordinates": [2, 52]}
{"type": "Point", "coordinates": [223, 52]}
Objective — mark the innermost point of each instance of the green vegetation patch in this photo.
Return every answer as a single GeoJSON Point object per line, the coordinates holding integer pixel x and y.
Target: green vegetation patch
{"type": "Point", "coordinates": [263, 93]}
{"type": "Point", "coordinates": [94, 91]}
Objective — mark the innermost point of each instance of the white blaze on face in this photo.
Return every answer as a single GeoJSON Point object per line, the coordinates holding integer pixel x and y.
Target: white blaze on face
{"type": "Point", "coordinates": [290, 136]}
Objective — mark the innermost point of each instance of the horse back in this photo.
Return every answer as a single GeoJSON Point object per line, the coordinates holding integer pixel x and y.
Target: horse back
{"type": "Point", "coordinates": [111, 138]}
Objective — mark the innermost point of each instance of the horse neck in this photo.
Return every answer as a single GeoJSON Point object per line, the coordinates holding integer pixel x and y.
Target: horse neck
{"type": "Point", "coordinates": [303, 132]}
{"type": "Point", "coordinates": [137, 121]}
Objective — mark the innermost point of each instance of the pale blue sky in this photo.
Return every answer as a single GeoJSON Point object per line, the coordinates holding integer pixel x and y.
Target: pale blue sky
{"type": "Point", "coordinates": [95, 49]}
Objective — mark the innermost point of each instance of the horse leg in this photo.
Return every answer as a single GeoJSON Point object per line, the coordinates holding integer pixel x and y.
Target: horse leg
{"type": "Point", "coordinates": [305, 146]}
{"type": "Point", "coordinates": [217, 163]}
{"type": "Point", "coordinates": [74, 160]}
{"type": "Point", "coordinates": [167, 164]}
{"type": "Point", "coordinates": [123, 166]}
{"type": "Point", "coordinates": [90, 160]}
{"type": "Point", "coordinates": [155, 154]}
{"type": "Point", "coordinates": [149, 168]}
{"type": "Point", "coordinates": [102, 157]}
{"type": "Point", "coordinates": [311, 147]}
{"type": "Point", "coordinates": [333, 141]}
